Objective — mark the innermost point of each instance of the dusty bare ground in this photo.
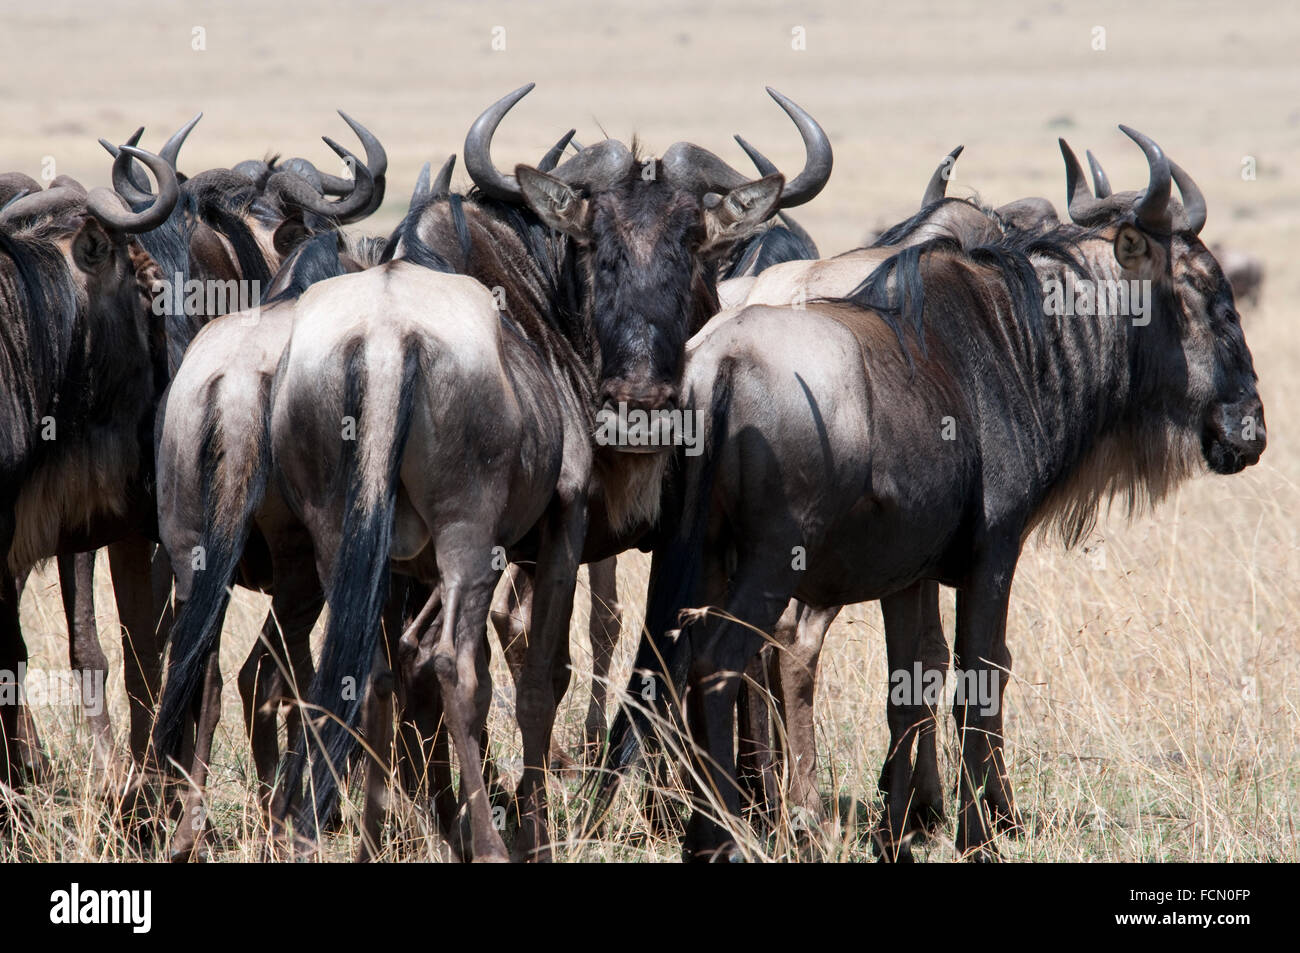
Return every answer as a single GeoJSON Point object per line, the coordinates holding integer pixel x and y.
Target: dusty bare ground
{"type": "Point", "coordinates": [1155, 712]}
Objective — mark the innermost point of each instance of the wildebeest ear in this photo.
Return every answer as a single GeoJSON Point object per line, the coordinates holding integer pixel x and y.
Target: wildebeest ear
{"type": "Point", "coordinates": [91, 247]}
{"type": "Point", "coordinates": [1131, 248]}
{"type": "Point", "coordinates": [555, 203]}
{"type": "Point", "coordinates": [730, 217]}
{"type": "Point", "coordinates": [290, 233]}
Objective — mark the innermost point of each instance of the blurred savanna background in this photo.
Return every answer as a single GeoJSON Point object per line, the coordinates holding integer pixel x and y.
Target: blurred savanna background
{"type": "Point", "coordinates": [1154, 712]}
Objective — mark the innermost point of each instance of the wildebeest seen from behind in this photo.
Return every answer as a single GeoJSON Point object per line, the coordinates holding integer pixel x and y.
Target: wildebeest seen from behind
{"type": "Point", "coordinates": [214, 491]}
{"type": "Point", "coordinates": [82, 361]}
{"type": "Point", "coordinates": [1053, 414]}
{"type": "Point", "coordinates": [604, 271]}
{"type": "Point", "coordinates": [224, 236]}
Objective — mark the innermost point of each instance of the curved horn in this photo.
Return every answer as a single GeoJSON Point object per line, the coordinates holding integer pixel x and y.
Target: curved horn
{"type": "Point", "coordinates": [294, 189]}
{"type": "Point", "coordinates": [1100, 183]}
{"type": "Point", "coordinates": [1079, 200]}
{"type": "Point", "coordinates": [172, 147]}
{"type": "Point", "coordinates": [376, 157]}
{"type": "Point", "coordinates": [376, 161]}
{"type": "Point", "coordinates": [125, 174]}
{"type": "Point", "coordinates": [42, 202]}
{"type": "Point", "coordinates": [938, 185]}
{"type": "Point", "coordinates": [575, 145]}
{"type": "Point", "coordinates": [1193, 200]}
{"type": "Point", "coordinates": [552, 157]}
{"type": "Point", "coordinates": [107, 206]}
{"type": "Point", "coordinates": [129, 180]}
{"type": "Point", "coordinates": [805, 186]}
{"type": "Point", "coordinates": [478, 150]}
{"type": "Point", "coordinates": [441, 186]}
{"type": "Point", "coordinates": [761, 162]}
{"type": "Point", "coordinates": [1153, 209]}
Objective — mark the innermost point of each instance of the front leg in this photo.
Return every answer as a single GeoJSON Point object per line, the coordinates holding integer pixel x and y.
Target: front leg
{"type": "Point", "coordinates": [545, 675]}
{"type": "Point", "coordinates": [141, 588]}
{"type": "Point", "coordinates": [85, 654]}
{"type": "Point", "coordinates": [981, 663]}
{"type": "Point", "coordinates": [13, 659]}
{"type": "Point", "coordinates": [606, 623]}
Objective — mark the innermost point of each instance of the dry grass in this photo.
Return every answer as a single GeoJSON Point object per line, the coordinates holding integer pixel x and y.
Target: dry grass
{"type": "Point", "coordinates": [1155, 707]}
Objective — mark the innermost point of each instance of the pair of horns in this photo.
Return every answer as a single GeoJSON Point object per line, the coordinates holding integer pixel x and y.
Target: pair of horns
{"type": "Point", "coordinates": [105, 204]}
{"type": "Point", "coordinates": [298, 182]}
{"type": "Point", "coordinates": [326, 184]}
{"type": "Point", "coordinates": [440, 186]}
{"type": "Point", "coordinates": [128, 180]}
{"type": "Point", "coordinates": [1151, 207]}
{"type": "Point", "coordinates": [605, 163]}
{"type": "Point", "coordinates": [935, 190]}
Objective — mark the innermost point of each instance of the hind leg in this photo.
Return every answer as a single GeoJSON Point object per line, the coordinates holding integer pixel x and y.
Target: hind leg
{"type": "Point", "coordinates": [927, 811]}
{"type": "Point", "coordinates": [194, 816]}
{"type": "Point", "coordinates": [468, 581]}
{"type": "Point", "coordinates": [280, 669]}
{"type": "Point", "coordinates": [377, 724]}
{"type": "Point", "coordinates": [511, 615]}
{"type": "Point", "coordinates": [755, 760]}
{"type": "Point", "coordinates": [801, 642]}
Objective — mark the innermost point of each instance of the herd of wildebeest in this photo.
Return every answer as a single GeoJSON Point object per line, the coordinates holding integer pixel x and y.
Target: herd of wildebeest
{"type": "Point", "coordinates": [607, 350]}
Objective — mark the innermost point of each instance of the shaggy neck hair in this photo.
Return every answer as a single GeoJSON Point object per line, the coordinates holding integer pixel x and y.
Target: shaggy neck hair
{"type": "Point", "coordinates": [40, 309]}
{"type": "Point", "coordinates": [1079, 403]}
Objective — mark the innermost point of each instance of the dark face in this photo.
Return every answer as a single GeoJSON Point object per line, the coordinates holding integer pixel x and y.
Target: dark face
{"type": "Point", "coordinates": [648, 250]}
{"type": "Point", "coordinates": [1232, 421]}
{"type": "Point", "coordinates": [642, 258]}
{"type": "Point", "coordinates": [125, 341]}
{"type": "Point", "coordinates": [1207, 374]}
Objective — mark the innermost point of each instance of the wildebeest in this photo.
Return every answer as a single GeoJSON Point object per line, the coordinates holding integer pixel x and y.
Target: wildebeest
{"type": "Point", "coordinates": [912, 622]}
{"type": "Point", "coordinates": [952, 407]}
{"type": "Point", "coordinates": [219, 226]}
{"type": "Point", "coordinates": [604, 268]}
{"type": "Point", "coordinates": [82, 360]}
{"type": "Point", "coordinates": [220, 399]}
{"type": "Point", "coordinates": [780, 240]}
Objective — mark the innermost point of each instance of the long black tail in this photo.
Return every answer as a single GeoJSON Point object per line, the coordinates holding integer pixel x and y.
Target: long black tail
{"type": "Point", "coordinates": [233, 480]}
{"type": "Point", "coordinates": [662, 664]}
{"type": "Point", "coordinates": [359, 587]}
